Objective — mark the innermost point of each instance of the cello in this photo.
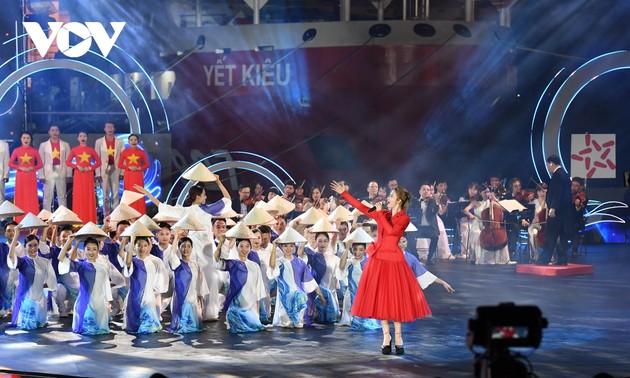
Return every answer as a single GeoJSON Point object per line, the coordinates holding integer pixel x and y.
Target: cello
{"type": "Point", "coordinates": [493, 237]}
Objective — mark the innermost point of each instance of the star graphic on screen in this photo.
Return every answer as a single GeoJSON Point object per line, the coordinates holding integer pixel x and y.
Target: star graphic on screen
{"type": "Point", "coordinates": [595, 153]}
{"type": "Point", "coordinates": [84, 157]}
{"type": "Point", "coordinates": [55, 153]}
{"type": "Point", "coordinates": [133, 159]}
{"type": "Point", "coordinates": [25, 158]}
{"type": "Point", "coordinates": [110, 151]}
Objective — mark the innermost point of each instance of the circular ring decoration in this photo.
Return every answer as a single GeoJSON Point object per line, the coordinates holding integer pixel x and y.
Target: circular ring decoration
{"type": "Point", "coordinates": [52, 64]}
{"type": "Point", "coordinates": [97, 74]}
{"type": "Point", "coordinates": [262, 166]}
{"type": "Point", "coordinates": [568, 90]}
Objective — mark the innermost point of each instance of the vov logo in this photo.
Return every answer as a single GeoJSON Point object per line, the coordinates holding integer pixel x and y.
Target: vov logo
{"type": "Point", "coordinates": [61, 32]}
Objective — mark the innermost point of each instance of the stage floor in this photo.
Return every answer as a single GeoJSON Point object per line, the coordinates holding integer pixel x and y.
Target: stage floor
{"type": "Point", "coordinates": [588, 333]}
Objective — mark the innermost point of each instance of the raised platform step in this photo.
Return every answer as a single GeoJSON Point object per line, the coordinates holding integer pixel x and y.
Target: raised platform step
{"type": "Point", "coordinates": [551, 270]}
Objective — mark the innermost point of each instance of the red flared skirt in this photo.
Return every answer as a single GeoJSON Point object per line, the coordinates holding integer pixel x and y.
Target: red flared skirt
{"type": "Point", "coordinates": [83, 197]}
{"type": "Point", "coordinates": [26, 193]}
{"type": "Point", "coordinates": [388, 290]}
{"type": "Point", "coordinates": [135, 178]}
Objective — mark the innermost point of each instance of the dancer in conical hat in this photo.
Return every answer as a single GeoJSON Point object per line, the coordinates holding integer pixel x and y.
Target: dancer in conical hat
{"type": "Point", "coordinates": [203, 241]}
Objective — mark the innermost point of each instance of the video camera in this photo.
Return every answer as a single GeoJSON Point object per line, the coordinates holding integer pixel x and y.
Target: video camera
{"type": "Point", "coordinates": [497, 328]}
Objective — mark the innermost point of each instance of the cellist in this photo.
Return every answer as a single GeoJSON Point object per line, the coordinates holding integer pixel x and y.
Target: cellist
{"type": "Point", "coordinates": [493, 238]}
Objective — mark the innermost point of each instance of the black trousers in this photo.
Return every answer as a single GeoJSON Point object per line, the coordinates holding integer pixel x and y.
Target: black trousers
{"type": "Point", "coordinates": [556, 240]}
{"type": "Point", "coordinates": [513, 232]}
{"type": "Point", "coordinates": [427, 232]}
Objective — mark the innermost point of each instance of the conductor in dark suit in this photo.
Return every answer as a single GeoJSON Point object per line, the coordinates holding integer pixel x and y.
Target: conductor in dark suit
{"type": "Point", "coordinates": [560, 216]}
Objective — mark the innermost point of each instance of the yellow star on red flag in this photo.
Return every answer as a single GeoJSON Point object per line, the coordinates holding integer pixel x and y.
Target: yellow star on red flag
{"type": "Point", "coordinates": [25, 158]}
{"type": "Point", "coordinates": [55, 153]}
{"type": "Point", "coordinates": [84, 157]}
{"type": "Point", "coordinates": [110, 151]}
{"type": "Point", "coordinates": [133, 159]}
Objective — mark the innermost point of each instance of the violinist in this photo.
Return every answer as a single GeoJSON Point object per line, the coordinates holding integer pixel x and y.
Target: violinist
{"type": "Point", "coordinates": [518, 193]}
{"type": "Point", "coordinates": [536, 228]}
{"type": "Point", "coordinates": [441, 196]}
{"type": "Point", "coordinates": [299, 193]}
{"type": "Point", "coordinates": [492, 239]}
{"type": "Point", "coordinates": [244, 202]}
{"type": "Point", "coordinates": [513, 225]}
{"type": "Point", "coordinates": [427, 216]}
{"type": "Point", "coordinates": [289, 191]}
{"type": "Point", "coordinates": [471, 224]}
{"type": "Point", "coordinates": [372, 193]}
{"type": "Point", "coordinates": [466, 225]}
{"type": "Point", "coordinates": [443, 247]}
{"type": "Point", "coordinates": [258, 194]}
{"type": "Point", "coordinates": [579, 202]}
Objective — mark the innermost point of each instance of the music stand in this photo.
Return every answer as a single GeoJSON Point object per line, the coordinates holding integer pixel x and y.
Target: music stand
{"type": "Point", "coordinates": [456, 209]}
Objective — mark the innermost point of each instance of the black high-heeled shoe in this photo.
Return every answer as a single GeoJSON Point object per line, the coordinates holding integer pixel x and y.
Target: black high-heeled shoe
{"type": "Point", "coordinates": [387, 349]}
{"type": "Point", "coordinates": [399, 348]}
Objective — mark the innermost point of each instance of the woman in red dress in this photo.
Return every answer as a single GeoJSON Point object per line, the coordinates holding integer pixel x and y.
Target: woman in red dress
{"type": "Point", "coordinates": [388, 289]}
{"type": "Point", "coordinates": [26, 161]}
{"type": "Point", "coordinates": [134, 161]}
{"type": "Point", "coordinates": [83, 197]}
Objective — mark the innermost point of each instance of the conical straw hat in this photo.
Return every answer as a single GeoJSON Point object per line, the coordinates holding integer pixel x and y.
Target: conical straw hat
{"type": "Point", "coordinates": [130, 197]}
{"type": "Point", "coordinates": [323, 225]}
{"type": "Point", "coordinates": [90, 230]}
{"type": "Point", "coordinates": [8, 209]}
{"type": "Point", "coordinates": [358, 236]}
{"type": "Point", "coordinates": [411, 228]}
{"type": "Point", "coordinates": [123, 212]}
{"type": "Point", "coordinates": [230, 213]}
{"type": "Point", "coordinates": [229, 222]}
{"type": "Point", "coordinates": [149, 223]}
{"type": "Point", "coordinates": [199, 172]}
{"type": "Point", "coordinates": [370, 221]}
{"type": "Point", "coordinates": [311, 216]}
{"type": "Point", "coordinates": [31, 221]}
{"type": "Point", "coordinates": [281, 205]}
{"type": "Point", "coordinates": [340, 214]}
{"type": "Point", "coordinates": [44, 215]}
{"type": "Point", "coordinates": [240, 231]}
{"type": "Point", "coordinates": [65, 217]}
{"type": "Point", "coordinates": [59, 210]}
{"type": "Point", "coordinates": [165, 217]}
{"type": "Point", "coordinates": [257, 216]}
{"type": "Point", "coordinates": [290, 236]}
{"type": "Point", "coordinates": [190, 223]}
{"type": "Point", "coordinates": [367, 204]}
{"type": "Point", "coordinates": [265, 206]}
{"type": "Point", "coordinates": [137, 229]}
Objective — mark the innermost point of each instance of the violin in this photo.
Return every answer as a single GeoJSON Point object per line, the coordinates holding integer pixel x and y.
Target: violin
{"type": "Point", "coordinates": [580, 200]}
{"type": "Point", "coordinates": [442, 199]}
{"type": "Point", "coordinates": [524, 196]}
{"type": "Point", "coordinates": [493, 237]}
